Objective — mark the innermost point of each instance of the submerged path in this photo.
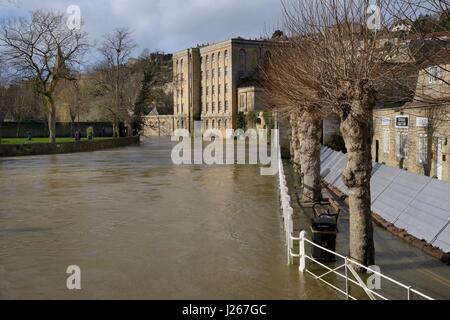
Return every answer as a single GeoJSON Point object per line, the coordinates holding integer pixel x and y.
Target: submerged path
{"type": "Point", "coordinates": [395, 257]}
{"type": "Point", "coordinates": [140, 227]}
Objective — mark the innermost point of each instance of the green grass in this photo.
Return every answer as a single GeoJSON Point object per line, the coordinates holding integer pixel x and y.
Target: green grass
{"type": "Point", "coordinates": [41, 140]}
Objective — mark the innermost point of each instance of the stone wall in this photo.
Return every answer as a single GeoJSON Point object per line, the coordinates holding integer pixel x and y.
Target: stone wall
{"type": "Point", "coordinates": [63, 129]}
{"type": "Point", "coordinates": [33, 149]}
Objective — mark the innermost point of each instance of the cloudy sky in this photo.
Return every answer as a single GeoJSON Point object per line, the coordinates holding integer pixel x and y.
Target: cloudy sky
{"type": "Point", "coordinates": [167, 25]}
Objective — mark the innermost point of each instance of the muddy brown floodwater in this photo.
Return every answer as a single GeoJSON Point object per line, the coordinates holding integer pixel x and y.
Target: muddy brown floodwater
{"type": "Point", "coordinates": [142, 228]}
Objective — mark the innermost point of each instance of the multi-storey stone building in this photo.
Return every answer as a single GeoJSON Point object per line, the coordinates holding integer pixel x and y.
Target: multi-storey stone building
{"type": "Point", "coordinates": [212, 83]}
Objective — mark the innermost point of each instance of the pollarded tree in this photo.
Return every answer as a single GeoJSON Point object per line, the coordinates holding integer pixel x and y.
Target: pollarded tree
{"type": "Point", "coordinates": [304, 118]}
{"type": "Point", "coordinates": [43, 49]}
{"type": "Point", "coordinates": [334, 61]}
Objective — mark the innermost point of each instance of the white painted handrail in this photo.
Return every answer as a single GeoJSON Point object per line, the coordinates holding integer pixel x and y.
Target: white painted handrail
{"type": "Point", "coordinates": [303, 241]}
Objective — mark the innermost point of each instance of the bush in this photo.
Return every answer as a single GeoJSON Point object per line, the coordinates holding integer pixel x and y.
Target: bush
{"type": "Point", "coordinates": [241, 121]}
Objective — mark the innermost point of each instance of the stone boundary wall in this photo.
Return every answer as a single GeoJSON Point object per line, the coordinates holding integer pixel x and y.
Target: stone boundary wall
{"type": "Point", "coordinates": [63, 129]}
{"type": "Point", "coordinates": [34, 149]}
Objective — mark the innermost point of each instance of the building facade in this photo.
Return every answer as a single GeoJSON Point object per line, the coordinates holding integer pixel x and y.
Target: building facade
{"type": "Point", "coordinates": [213, 83]}
{"type": "Point", "coordinates": [414, 136]}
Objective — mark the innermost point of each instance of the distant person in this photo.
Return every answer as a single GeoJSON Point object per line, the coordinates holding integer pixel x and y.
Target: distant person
{"type": "Point", "coordinates": [29, 136]}
{"type": "Point", "coordinates": [103, 132]}
{"type": "Point", "coordinates": [77, 136]}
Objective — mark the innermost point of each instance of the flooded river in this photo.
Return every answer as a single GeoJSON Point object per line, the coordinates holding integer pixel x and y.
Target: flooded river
{"type": "Point", "coordinates": [142, 228]}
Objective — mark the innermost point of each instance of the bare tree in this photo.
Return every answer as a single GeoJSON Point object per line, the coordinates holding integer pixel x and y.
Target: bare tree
{"type": "Point", "coordinates": [335, 61]}
{"type": "Point", "coordinates": [43, 49]}
{"type": "Point", "coordinates": [113, 74]}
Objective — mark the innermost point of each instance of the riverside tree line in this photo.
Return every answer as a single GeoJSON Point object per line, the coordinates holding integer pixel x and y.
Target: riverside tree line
{"type": "Point", "coordinates": [44, 64]}
{"type": "Point", "coordinates": [342, 57]}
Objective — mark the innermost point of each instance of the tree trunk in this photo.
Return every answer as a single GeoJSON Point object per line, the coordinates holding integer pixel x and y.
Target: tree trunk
{"type": "Point", "coordinates": [357, 130]}
{"type": "Point", "coordinates": [51, 108]}
{"type": "Point", "coordinates": [295, 143]}
{"type": "Point", "coordinates": [427, 167]}
{"type": "Point", "coordinates": [309, 133]}
{"type": "Point", "coordinates": [116, 133]}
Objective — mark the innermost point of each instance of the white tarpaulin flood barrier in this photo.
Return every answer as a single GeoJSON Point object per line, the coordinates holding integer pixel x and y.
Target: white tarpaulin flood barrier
{"type": "Point", "coordinates": [420, 205]}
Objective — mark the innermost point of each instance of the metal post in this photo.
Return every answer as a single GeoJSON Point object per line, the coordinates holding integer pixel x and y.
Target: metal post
{"type": "Point", "coordinates": [346, 279]}
{"type": "Point", "coordinates": [289, 234]}
{"type": "Point", "coordinates": [302, 252]}
{"type": "Point", "coordinates": [409, 293]}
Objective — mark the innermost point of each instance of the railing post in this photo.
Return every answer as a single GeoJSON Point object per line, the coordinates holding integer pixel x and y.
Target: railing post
{"type": "Point", "coordinates": [302, 250]}
{"type": "Point", "coordinates": [409, 293]}
{"type": "Point", "coordinates": [347, 290]}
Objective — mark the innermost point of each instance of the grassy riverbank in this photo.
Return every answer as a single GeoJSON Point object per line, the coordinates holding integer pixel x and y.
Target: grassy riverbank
{"type": "Point", "coordinates": [9, 141]}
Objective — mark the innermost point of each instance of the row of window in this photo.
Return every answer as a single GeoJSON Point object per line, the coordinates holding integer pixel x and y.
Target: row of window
{"type": "Point", "coordinates": [206, 106]}
{"type": "Point", "coordinates": [212, 124]}
{"type": "Point", "coordinates": [213, 58]}
{"type": "Point", "coordinates": [180, 124]}
{"type": "Point", "coordinates": [402, 146]}
{"type": "Point", "coordinates": [213, 89]}
{"type": "Point", "coordinates": [206, 75]}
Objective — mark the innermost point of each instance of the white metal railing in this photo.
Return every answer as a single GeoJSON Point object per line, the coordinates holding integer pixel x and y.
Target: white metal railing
{"type": "Point", "coordinates": [348, 273]}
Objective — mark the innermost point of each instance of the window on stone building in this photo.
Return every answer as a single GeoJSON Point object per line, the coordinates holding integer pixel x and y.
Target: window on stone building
{"type": "Point", "coordinates": [226, 55]}
{"type": "Point", "coordinates": [220, 106]}
{"type": "Point", "coordinates": [213, 73]}
{"type": "Point", "coordinates": [435, 74]}
{"type": "Point", "coordinates": [422, 149]}
{"type": "Point", "coordinates": [219, 124]}
{"type": "Point", "coordinates": [213, 124]}
{"type": "Point", "coordinates": [242, 63]}
{"type": "Point", "coordinates": [207, 74]}
{"type": "Point", "coordinates": [219, 55]}
{"type": "Point", "coordinates": [207, 107]}
{"type": "Point", "coordinates": [226, 105]}
{"type": "Point", "coordinates": [213, 90]}
{"type": "Point", "coordinates": [219, 73]}
{"type": "Point", "coordinates": [207, 90]}
{"type": "Point", "coordinates": [226, 71]}
{"type": "Point", "coordinates": [207, 60]}
{"type": "Point", "coordinates": [213, 58]}
{"type": "Point", "coordinates": [226, 88]}
{"type": "Point", "coordinates": [402, 145]}
{"type": "Point", "coordinates": [386, 142]}
{"type": "Point", "coordinates": [226, 124]}
{"type": "Point", "coordinates": [213, 106]}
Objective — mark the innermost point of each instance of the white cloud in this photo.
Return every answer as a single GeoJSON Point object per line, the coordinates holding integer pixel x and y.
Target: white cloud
{"type": "Point", "coordinates": [170, 25]}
